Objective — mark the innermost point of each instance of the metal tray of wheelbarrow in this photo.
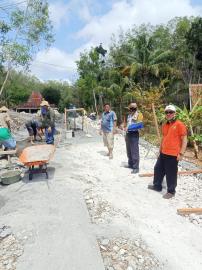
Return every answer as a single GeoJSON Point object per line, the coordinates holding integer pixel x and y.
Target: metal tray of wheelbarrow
{"type": "Point", "coordinates": [36, 158]}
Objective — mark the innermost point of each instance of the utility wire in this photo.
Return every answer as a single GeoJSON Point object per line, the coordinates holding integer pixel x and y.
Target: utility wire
{"type": "Point", "coordinates": [6, 5]}
{"type": "Point", "coordinates": [6, 11]}
{"type": "Point", "coordinates": [50, 64]}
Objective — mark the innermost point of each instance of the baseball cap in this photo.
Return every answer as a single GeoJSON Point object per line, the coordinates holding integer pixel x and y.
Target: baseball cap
{"type": "Point", "coordinates": [170, 108]}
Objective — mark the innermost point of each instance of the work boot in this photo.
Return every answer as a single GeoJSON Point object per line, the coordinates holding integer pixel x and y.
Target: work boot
{"type": "Point", "coordinates": [168, 195]}
{"type": "Point", "coordinates": [134, 171]}
{"type": "Point", "coordinates": [152, 187]}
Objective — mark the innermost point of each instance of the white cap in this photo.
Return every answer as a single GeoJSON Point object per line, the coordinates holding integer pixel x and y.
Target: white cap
{"type": "Point", "coordinates": [170, 108]}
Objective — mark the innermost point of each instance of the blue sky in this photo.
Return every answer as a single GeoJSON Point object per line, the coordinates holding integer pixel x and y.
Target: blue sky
{"type": "Point", "coordinates": [81, 24]}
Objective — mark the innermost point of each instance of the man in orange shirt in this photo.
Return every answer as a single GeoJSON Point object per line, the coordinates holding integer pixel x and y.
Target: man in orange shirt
{"type": "Point", "coordinates": [173, 146]}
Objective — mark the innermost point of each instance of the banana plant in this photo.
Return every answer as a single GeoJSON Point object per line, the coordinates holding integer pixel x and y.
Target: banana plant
{"type": "Point", "coordinates": [192, 119]}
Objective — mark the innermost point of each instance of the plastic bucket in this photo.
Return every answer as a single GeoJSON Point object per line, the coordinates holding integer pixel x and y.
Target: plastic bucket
{"type": "Point", "coordinates": [68, 134]}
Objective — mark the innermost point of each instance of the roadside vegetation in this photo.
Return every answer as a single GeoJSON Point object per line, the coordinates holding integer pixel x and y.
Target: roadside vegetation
{"type": "Point", "coordinates": [147, 64]}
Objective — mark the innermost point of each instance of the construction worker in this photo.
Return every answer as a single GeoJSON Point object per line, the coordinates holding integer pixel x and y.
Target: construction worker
{"type": "Point", "coordinates": [47, 117]}
{"type": "Point", "coordinates": [6, 138]}
{"type": "Point", "coordinates": [108, 126]}
{"type": "Point", "coordinates": [33, 127]}
{"type": "Point", "coordinates": [172, 149]}
{"type": "Point", "coordinates": [134, 123]}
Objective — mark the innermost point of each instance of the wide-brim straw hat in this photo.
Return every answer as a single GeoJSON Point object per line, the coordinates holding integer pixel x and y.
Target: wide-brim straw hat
{"type": "Point", "coordinates": [132, 105]}
{"type": "Point", "coordinates": [4, 109]}
{"type": "Point", "coordinates": [44, 103]}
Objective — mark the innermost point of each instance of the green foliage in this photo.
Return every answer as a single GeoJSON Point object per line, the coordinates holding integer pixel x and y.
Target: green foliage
{"type": "Point", "coordinates": [52, 95]}
{"type": "Point", "coordinates": [25, 30]}
{"type": "Point", "coordinates": [58, 93]}
{"type": "Point", "coordinates": [19, 88]}
{"type": "Point", "coordinates": [23, 33]}
{"type": "Point", "coordinates": [191, 119]}
{"type": "Point", "coordinates": [194, 38]}
{"type": "Point", "coordinates": [140, 62]}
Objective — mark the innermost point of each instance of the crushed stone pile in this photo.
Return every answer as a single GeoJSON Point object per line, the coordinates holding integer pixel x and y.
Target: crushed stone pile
{"type": "Point", "coordinates": [126, 254]}
{"type": "Point", "coordinates": [19, 120]}
{"type": "Point", "coordinates": [10, 249]}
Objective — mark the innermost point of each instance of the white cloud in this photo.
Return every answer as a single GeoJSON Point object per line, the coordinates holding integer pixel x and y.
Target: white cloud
{"type": "Point", "coordinates": [125, 13]}
{"type": "Point", "coordinates": [59, 13]}
{"type": "Point", "coordinates": [84, 13]}
{"type": "Point", "coordinates": [54, 64]}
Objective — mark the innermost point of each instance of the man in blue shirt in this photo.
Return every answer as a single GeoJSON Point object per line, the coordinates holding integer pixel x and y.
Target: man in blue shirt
{"type": "Point", "coordinates": [108, 124]}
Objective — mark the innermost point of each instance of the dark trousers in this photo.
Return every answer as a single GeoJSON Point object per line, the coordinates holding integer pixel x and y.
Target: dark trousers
{"type": "Point", "coordinates": [50, 135]}
{"type": "Point", "coordinates": [132, 148]}
{"type": "Point", "coordinates": [32, 130]}
{"type": "Point", "coordinates": [166, 166]}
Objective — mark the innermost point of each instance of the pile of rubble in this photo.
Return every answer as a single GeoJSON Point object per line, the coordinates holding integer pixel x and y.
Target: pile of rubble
{"type": "Point", "coordinates": [19, 120]}
{"type": "Point", "coordinates": [189, 195]}
{"type": "Point", "coordinates": [118, 253]}
{"type": "Point", "coordinates": [10, 249]}
{"type": "Point", "coordinates": [126, 254]}
{"type": "Point", "coordinates": [100, 211]}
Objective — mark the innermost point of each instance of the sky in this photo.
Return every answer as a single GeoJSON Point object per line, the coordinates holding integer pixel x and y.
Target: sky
{"type": "Point", "coordinates": [82, 24]}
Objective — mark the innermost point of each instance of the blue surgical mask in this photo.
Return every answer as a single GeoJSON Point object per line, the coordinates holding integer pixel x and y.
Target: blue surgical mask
{"type": "Point", "coordinates": [43, 110]}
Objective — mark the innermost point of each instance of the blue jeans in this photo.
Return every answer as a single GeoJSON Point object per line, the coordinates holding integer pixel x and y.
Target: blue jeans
{"type": "Point", "coordinates": [9, 143]}
{"type": "Point", "coordinates": [50, 135]}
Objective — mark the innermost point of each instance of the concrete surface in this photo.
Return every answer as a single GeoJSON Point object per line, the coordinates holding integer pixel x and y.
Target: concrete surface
{"type": "Point", "coordinates": [52, 219]}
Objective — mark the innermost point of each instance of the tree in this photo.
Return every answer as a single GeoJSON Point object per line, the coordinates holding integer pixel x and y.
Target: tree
{"type": "Point", "coordinates": [52, 95]}
{"type": "Point", "coordinates": [192, 119]}
{"type": "Point", "coordinates": [19, 87]}
{"type": "Point", "coordinates": [23, 34]}
{"type": "Point", "coordinates": [194, 43]}
{"type": "Point", "coordinates": [89, 68]}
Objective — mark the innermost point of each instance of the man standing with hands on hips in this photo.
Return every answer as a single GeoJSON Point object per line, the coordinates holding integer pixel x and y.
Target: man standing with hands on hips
{"type": "Point", "coordinates": [172, 149]}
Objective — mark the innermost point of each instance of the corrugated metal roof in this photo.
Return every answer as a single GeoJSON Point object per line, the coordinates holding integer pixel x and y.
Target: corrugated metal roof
{"type": "Point", "coordinates": [33, 102]}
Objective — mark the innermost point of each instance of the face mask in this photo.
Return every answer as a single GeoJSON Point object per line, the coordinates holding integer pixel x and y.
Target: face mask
{"type": "Point", "coordinates": [43, 110]}
{"type": "Point", "coordinates": [133, 109]}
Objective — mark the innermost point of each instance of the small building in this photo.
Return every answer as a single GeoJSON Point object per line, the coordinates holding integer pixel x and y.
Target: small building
{"type": "Point", "coordinates": [32, 105]}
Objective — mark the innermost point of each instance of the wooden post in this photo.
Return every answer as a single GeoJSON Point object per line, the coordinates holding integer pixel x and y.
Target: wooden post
{"type": "Point", "coordinates": [82, 119]}
{"type": "Point", "coordinates": [179, 173]}
{"type": "Point", "coordinates": [156, 123]}
{"type": "Point", "coordinates": [95, 102]}
{"type": "Point", "coordinates": [188, 211]}
{"type": "Point", "coordinates": [65, 112]}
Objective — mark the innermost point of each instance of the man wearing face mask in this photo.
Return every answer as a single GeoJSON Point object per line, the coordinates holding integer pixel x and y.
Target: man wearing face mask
{"type": "Point", "coordinates": [134, 123]}
{"type": "Point", "coordinates": [172, 149]}
{"type": "Point", "coordinates": [47, 116]}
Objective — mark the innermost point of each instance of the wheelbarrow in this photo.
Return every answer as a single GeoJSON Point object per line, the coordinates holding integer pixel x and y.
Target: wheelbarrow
{"type": "Point", "coordinates": [36, 158]}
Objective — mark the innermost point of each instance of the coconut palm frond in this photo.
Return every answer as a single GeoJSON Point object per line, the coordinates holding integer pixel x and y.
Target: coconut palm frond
{"type": "Point", "coordinates": [135, 67]}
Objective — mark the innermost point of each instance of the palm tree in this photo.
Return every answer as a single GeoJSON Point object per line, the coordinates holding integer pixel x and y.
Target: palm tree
{"type": "Point", "coordinates": [145, 62]}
